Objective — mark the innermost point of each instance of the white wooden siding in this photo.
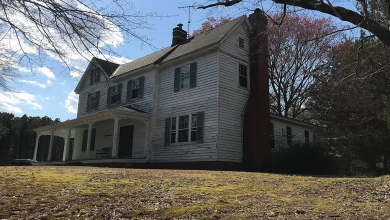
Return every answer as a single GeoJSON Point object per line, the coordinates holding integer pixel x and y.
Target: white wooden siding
{"type": "Point", "coordinates": [232, 97]}
{"type": "Point", "coordinates": [202, 98]}
{"type": "Point", "coordinates": [144, 104]}
{"type": "Point", "coordinates": [104, 132]}
{"type": "Point", "coordinates": [298, 132]}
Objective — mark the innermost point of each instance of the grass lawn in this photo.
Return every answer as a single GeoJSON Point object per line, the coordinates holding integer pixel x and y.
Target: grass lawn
{"type": "Point", "coordinates": [107, 193]}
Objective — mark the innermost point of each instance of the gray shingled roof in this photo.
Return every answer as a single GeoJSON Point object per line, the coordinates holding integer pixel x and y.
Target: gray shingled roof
{"type": "Point", "coordinates": [190, 45]}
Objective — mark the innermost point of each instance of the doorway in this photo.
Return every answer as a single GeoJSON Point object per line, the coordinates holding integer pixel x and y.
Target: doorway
{"type": "Point", "coordinates": [125, 148]}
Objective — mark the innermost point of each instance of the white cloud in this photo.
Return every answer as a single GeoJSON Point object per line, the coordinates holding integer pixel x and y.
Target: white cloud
{"type": "Point", "coordinates": [47, 98]}
{"type": "Point", "coordinates": [10, 102]}
{"type": "Point", "coordinates": [71, 102]}
{"type": "Point", "coordinates": [74, 73]}
{"type": "Point", "coordinates": [48, 82]}
{"type": "Point", "coordinates": [114, 59]}
{"type": "Point", "coordinates": [34, 83]}
{"type": "Point", "coordinates": [45, 71]}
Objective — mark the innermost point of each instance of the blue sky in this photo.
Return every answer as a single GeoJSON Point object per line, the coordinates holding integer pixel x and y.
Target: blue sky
{"type": "Point", "coordinates": [47, 90]}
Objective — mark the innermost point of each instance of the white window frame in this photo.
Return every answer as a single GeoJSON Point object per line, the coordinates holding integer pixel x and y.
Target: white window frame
{"type": "Point", "coordinates": [177, 129]}
{"type": "Point", "coordinates": [133, 87]}
{"type": "Point", "coordinates": [188, 77]}
{"type": "Point", "coordinates": [112, 92]}
{"type": "Point", "coordinates": [247, 75]}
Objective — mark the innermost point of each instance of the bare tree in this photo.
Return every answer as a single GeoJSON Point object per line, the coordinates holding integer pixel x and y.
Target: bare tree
{"type": "Point", "coordinates": [65, 30]}
{"type": "Point", "coordinates": [371, 15]}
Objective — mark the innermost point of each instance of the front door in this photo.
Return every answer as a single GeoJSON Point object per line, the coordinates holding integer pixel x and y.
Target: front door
{"type": "Point", "coordinates": [125, 148]}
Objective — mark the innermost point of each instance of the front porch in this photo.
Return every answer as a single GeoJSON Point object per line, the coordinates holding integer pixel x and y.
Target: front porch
{"type": "Point", "coordinates": [118, 135]}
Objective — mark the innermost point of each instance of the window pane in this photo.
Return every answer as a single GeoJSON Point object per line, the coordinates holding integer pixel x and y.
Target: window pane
{"type": "Point", "coordinates": [185, 76]}
{"type": "Point", "coordinates": [243, 82]}
{"type": "Point", "coordinates": [183, 122]}
{"type": "Point", "coordinates": [173, 124]}
{"type": "Point", "coordinates": [173, 137]}
{"type": "Point", "coordinates": [194, 119]}
{"type": "Point", "coordinates": [134, 93]}
{"type": "Point", "coordinates": [183, 135]}
{"type": "Point", "coordinates": [193, 135]}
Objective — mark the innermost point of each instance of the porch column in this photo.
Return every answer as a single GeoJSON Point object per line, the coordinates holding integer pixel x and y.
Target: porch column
{"type": "Point", "coordinates": [36, 146]}
{"type": "Point", "coordinates": [89, 140]}
{"type": "Point", "coordinates": [50, 145]}
{"type": "Point", "coordinates": [115, 138]}
{"type": "Point", "coordinates": [66, 145]}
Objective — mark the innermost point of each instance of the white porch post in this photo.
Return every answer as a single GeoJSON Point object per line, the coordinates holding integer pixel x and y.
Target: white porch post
{"type": "Point", "coordinates": [36, 146]}
{"type": "Point", "coordinates": [66, 145]}
{"type": "Point", "coordinates": [50, 145]}
{"type": "Point", "coordinates": [146, 136]}
{"type": "Point", "coordinates": [89, 140]}
{"type": "Point", "coordinates": [115, 138]}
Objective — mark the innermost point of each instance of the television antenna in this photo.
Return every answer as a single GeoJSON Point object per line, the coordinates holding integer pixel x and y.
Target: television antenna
{"type": "Point", "coordinates": [189, 16]}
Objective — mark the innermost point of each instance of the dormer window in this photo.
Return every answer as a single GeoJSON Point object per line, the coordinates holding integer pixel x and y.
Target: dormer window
{"type": "Point", "coordinates": [94, 76]}
{"type": "Point", "coordinates": [241, 43]}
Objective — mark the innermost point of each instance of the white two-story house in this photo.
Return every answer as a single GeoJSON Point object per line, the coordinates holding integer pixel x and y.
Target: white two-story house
{"type": "Point", "coordinates": [182, 105]}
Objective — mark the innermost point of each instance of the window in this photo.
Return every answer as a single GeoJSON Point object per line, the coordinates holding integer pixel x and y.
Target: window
{"type": "Point", "coordinates": [114, 94]}
{"type": "Point", "coordinates": [135, 88]}
{"type": "Point", "coordinates": [185, 77]}
{"type": "Point", "coordinates": [289, 136]}
{"type": "Point", "coordinates": [95, 76]}
{"type": "Point", "coordinates": [193, 126]}
{"type": "Point", "coordinates": [93, 100]}
{"type": "Point", "coordinates": [241, 43]}
{"type": "Point", "coordinates": [85, 139]}
{"type": "Point", "coordinates": [173, 130]}
{"type": "Point", "coordinates": [183, 128]}
{"type": "Point", "coordinates": [272, 136]}
{"type": "Point", "coordinates": [186, 128]}
{"type": "Point", "coordinates": [243, 75]}
{"type": "Point", "coordinates": [307, 138]}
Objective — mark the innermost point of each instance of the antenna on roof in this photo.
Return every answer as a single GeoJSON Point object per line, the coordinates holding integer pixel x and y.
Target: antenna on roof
{"type": "Point", "coordinates": [189, 17]}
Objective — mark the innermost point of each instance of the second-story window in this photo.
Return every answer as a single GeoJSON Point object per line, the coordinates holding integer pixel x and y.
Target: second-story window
{"type": "Point", "coordinates": [95, 76]}
{"type": "Point", "coordinates": [243, 75]}
{"type": "Point", "coordinates": [307, 138]}
{"type": "Point", "coordinates": [185, 77]}
{"type": "Point", "coordinates": [135, 88]}
{"type": "Point", "coordinates": [114, 94]}
{"type": "Point", "coordinates": [93, 100]}
{"type": "Point", "coordinates": [289, 136]}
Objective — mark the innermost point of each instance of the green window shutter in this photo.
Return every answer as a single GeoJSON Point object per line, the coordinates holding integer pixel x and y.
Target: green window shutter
{"type": "Point", "coordinates": [176, 79]}
{"type": "Point", "coordinates": [97, 99]}
{"type": "Point", "coordinates": [141, 87]}
{"type": "Point", "coordinates": [93, 136]}
{"type": "Point", "coordinates": [199, 127]}
{"type": "Point", "coordinates": [89, 102]}
{"type": "Point", "coordinates": [167, 136]}
{"type": "Point", "coordinates": [85, 136]}
{"type": "Point", "coordinates": [109, 96]}
{"type": "Point", "coordinates": [119, 96]}
{"type": "Point", "coordinates": [91, 77]}
{"type": "Point", "coordinates": [193, 70]}
{"type": "Point", "coordinates": [128, 91]}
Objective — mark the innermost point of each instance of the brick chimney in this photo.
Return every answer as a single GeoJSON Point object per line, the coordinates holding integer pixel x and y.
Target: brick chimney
{"type": "Point", "coordinates": [257, 148]}
{"type": "Point", "coordinates": [179, 35]}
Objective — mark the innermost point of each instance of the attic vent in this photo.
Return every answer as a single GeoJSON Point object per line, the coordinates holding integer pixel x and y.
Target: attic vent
{"type": "Point", "coordinates": [241, 42]}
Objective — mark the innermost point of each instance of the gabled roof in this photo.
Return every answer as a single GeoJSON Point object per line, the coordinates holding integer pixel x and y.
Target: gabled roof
{"type": "Point", "coordinates": [190, 45]}
{"type": "Point", "coordinates": [108, 68]}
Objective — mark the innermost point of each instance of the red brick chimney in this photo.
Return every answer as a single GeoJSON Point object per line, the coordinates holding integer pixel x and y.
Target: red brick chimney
{"type": "Point", "coordinates": [257, 149]}
{"type": "Point", "coordinates": [179, 35]}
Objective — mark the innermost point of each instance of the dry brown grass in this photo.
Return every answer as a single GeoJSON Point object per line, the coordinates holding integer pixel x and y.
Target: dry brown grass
{"type": "Point", "coordinates": [107, 193]}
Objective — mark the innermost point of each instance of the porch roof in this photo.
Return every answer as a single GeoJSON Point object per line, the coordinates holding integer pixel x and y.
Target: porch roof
{"type": "Point", "coordinates": [121, 112]}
